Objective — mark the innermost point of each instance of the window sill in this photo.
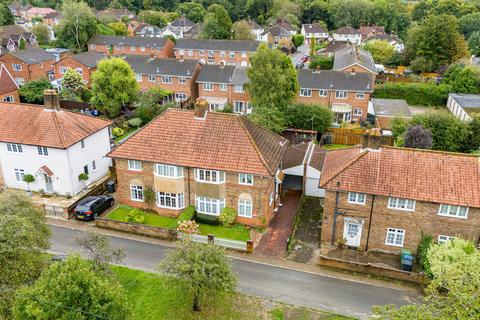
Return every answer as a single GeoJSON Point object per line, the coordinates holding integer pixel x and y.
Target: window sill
{"type": "Point", "coordinates": [136, 200]}
{"type": "Point", "coordinates": [451, 216]}
{"type": "Point", "coordinates": [394, 245]}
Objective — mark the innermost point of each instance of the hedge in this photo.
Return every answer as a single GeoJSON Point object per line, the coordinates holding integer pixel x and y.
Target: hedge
{"type": "Point", "coordinates": [426, 94]}
{"type": "Point", "coordinates": [187, 214]}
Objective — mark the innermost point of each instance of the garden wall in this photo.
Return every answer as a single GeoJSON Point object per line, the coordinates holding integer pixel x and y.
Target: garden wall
{"type": "Point", "coordinates": [155, 232]}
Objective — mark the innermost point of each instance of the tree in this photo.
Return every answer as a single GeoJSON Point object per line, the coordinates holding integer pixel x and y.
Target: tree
{"type": "Point", "coordinates": [322, 62]}
{"type": "Point", "coordinates": [469, 23]}
{"type": "Point", "coordinates": [241, 31]}
{"type": "Point", "coordinates": [6, 16]}
{"type": "Point", "coordinates": [474, 127]}
{"type": "Point", "coordinates": [273, 83]}
{"type": "Point", "coordinates": [308, 116]}
{"type": "Point", "coordinates": [114, 86]}
{"type": "Point", "coordinates": [297, 40]}
{"type": "Point", "coordinates": [155, 18]}
{"type": "Point", "coordinates": [23, 239]}
{"type": "Point", "coordinates": [119, 28]}
{"type": "Point", "coordinates": [149, 104]}
{"type": "Point", "coordinates": [83, 177]}
{"type": "Point", "coordinates": [100, 252]}
{"type": "Point", "coordinates": [313, 46]}
{"type": "Point", "coordinates": [202, 268]}
{"type": "Point", "coordinates": [77, 26]}
{"type": "Point", "coordinates": [167, 5]}
{"type": "Point", "coordinates": [217, 23]}
{"type": "Point", "coordinates": [474, 43]}
{"type": "Point", "coordinates": [73, 86]}
{"type": "Point", "coordinates": [462, 79]}
{"type": "Point", "coordinates": [381, 50]}
{"type": "Point", "coordinates": [21, 44]}
{"type": "Point", "coordinates": [192, 10]}
{"type": "Point", "coordinates": [28, 178]}
{"type": "Point", "coordinates": [72, 289]}
{"type": "Point", "coordinates": [457, 8]}
{"type": "Point", "coordinates": [437, 40]}
{"type": "Point", "coordinates": [32, 91]}
{"type": "Point", "coordinates": [42, 33]}
{"type": "Point", "coordinates": [417, 137]}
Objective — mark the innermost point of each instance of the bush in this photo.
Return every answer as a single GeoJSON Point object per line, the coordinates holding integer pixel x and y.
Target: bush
{"type": "Point", "coordinates": [187, 214]}
{"type": "Point", "coordinates": [299, 116]}
{"type": "Point", "coordinates": [135, 216]}
{"type": "Point", "coordinates": [325, 63]}
{"type": "Point", "coordinates": [227, 217]}
{"type": "Point", "coordinates": [118, 132]}
{"type": "Point", "coordinates": [206, 219]}
{"type": "Point", "coordinates": [422, 253]}
{"type": "Point", "coordinates": [426, 94]}
{"type": "Point", "coordinates": [135, 122]}
{"type": "Point", "coordinates": [188, 227]}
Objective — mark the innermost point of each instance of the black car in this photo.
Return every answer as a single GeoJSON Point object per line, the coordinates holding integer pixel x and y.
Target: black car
{"type": "Point", "coordinates": [90, 207]}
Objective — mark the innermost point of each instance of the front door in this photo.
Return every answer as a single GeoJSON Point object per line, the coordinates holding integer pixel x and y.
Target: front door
{"type": "Point", "coordinates": [48, 183]}
{"type": "Point", "coordinates": [353, 233]}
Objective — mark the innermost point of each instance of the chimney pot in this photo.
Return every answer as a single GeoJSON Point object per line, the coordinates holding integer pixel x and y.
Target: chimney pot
{"type": "Point", "coordinates": [50, 98]}
{"type": "Point", "coordinates": [201, 109]}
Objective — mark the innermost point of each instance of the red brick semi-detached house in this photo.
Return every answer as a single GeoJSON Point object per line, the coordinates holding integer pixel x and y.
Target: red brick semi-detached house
{"type": "Point", "coordinates": [224, 85]}
{"type": "Point", "coordinates": [84, 63]}
{"type": "Point", "coordinates": [8, 87]}
{"type": "Point", "coordinates": [206, 159]}
{"type": "Point", "coordinates": [176, 75]}
{"type": "Point", "coordinates": [29, 64]}
{"type": "Point", "coordinates": [121, 45]}
{"type": "Point", "coordinates": [354, 59]}
{"type": "Point", "coordinates": [229, 52]}
{"type": "Point", "coordinates": [385, 199]}
{"type": "Point", "coordinates": [347, 94]}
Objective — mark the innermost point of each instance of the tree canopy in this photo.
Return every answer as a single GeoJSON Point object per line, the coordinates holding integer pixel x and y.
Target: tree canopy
{"type": "Point", "coordinates": [462, 78]}
{"type": "Point", "coordinates": [192, 11]}
{"type": "Point", "coordinates": [241, 31]}
{"type": "Point", "coordinates": [217, 23]}
{"type": "Point", "coordinates": [32, 91]}
{"type": "Point", "coordinates": [73, 86]}
{"type": "Point", "coordinates": [42, 33]}
{"type": "Point", "coordinates": [382, 52]}
{"type": "Point", "coordinates": [6, 16]}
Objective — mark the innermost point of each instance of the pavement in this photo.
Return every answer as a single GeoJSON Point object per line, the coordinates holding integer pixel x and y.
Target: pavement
{"type": "Point", "coordinates": [274, 241]}
{"type": "Point", "coordinates": [278, 280]}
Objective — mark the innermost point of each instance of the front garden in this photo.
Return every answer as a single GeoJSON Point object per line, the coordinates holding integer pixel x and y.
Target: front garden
{"type": "Point", "coordinates": [125, 213]}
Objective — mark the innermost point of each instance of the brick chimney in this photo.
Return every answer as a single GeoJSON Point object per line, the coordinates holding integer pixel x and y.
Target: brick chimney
{"type": "Point", "coordinates": [50, 98]}
{"type": "Point", "coordinates": [201, 109]}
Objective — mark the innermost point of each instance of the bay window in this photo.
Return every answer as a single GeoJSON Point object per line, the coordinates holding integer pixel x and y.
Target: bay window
{"type": "Point", "coordinates": [209, 205]}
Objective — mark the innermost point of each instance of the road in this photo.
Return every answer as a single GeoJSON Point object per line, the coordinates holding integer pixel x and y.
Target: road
{"type": "Point", "coordinates": [265, 281]}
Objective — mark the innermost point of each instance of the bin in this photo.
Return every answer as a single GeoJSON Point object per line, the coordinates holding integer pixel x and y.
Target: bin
{"type": "Point", "coordinates": [407, 265]}
{"type": "Point", "coordinates": [110, 186]}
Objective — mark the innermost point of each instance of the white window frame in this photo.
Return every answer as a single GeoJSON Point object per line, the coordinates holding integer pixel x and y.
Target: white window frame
{"type": "Point", "coordinates": [245, 208]}
{"type": "Point", "coordinates": [360, 95]}
{"type": "Point", "coordinates": [396, 233]}
{"type": "Point", "coordinates": [223, 86]}
{"type": "Point", "coordinates": [396, 204]}
{"type": "Point", "coordinates": [19, 175]}
{"type": "Point", "coordinates": [92, 46]}
{"type": "Point", "coordinates": [356, 198]}
{"type": "Point", "coordinates": [244, 178]}
{"type": "Point", "coordinates": [223, 53]}
{"type": "Point", "coordinates": [139, 77]}
{"type": "Point", "coordinates": [20, 81]}
{"type": "Point", "coordinates": [207, 86]}
{"type": "Point", "coordinates": [94, 166]}
{"type": "Point", "coordinates": [207, 205]}
{"type": "Point", "coordinates": [16, 67]}
{"type": "Point", "coordinates": [142, 49]}
{"type": "Point", "coordinates": [152, 78]}
{"type": "Point", "coordinates": [238, 88]}
{"type": "Point", "coordinates": [442, 239]}
{"type": "Point", "coordinates": [231, 54]}
{"type": "Point", "coordinates": [82, 144]}
{"type": "Point", "coordinates": [210, 176]}
{"type": "Point", "coordinates": [201, 52]}
{"type": "Point", "coordinates": [182, 80]}
{"type": "Point", "coordinates": [322, 93]}
{"type": "Point", "coordinates": [134, 165]}
{"type": "Point", "coordinates": [14, 148]}
{"type": "Point", "coordinates": [137, 193]}
{"type": "Point", "coordinates": [341, 94]}
{"type": "Point", "coordinates": [305, 92]}
{"type": "Point", "coordinates": [211, 54]}
{"type": "Point", "coordinates": [168, 171]}
{"type": "Point", "coordinates": [63, 69]}
{"type": "Point", "coordinates": [167, 79]}
{"type": "Point", "coordinates": [239, 106]}
{"type": "Point", "coordinates": [180, 96]}
{"type": "Point", "coordinates": [190, 53]}
{"type": "Point", "coordinates": [170, 200]}
{"type": "Point", "coordinates": [42, 151]}
{"type": "Point", "coordinates": [79, 70]}
{"type": "Point", "coordinates": [357, 112]}
{"type": "Point", "coordinates": [455, 215]}
{"type": "Point", "coordinates": [244, 54]}
{"type": "Point", "coordinates": [9, 99]}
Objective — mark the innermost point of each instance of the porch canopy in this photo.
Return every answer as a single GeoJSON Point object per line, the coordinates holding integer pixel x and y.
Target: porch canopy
{"type": "Point", "coordinates": [341, 108]}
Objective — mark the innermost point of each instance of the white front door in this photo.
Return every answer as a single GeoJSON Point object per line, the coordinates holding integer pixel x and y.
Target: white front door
{"type": "Point", "coordinates": [352, 231]}
{"type": "Point", "coordinates": [48, 183]}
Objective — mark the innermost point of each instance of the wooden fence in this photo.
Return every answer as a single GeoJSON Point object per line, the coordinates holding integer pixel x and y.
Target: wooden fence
{"type": "Point", "coordinates": [75, 105]}
{"type": "Point", "coordinates": [363, 137]}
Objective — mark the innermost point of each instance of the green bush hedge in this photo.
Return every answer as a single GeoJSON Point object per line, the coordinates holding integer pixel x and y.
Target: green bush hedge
{"type": "Point", "coordinates": [187, 214]}
{"type": "Point", "coordinates": [207, 219]}
{"type": "Point", "coordinates": [426, 94]}
{"type": "Point", "coordinates": [325, 63]}
{"type": "Point", "coordinates": [422, 253]}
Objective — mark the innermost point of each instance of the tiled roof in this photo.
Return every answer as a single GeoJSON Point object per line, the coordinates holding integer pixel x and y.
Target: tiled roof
{"type": "Point", "coordinates": [422, 175]}
{"type": "Point", "coordinates": [7, 31]}
{"type": "Point", "coordinates": [391, 107]}
{"type": "Point", "coordinates": [337, 160]}
{"type": "Point", "coordinates": [294, 155]}
{"type": "Point", "coordinates": [52, 15]}
{"type": "Point", "coordinates": [365, 30]}
{"type": "Point", "coordinates": [221, 142]}
{"type": "Point", "coordinates": [335, 80]}
{"type": "Point", "coordinates": [226, 45]}
{"type": "Point", "coordinates": [318, 157]}
{"type": "Point", "coordinates": [143, 64]}
{"type": "Point", "coordinates": [182, 23]}
{"type": "Point", "coordinates": [89, 58]}
{"type": "Point", "coordinates": [35, 125]}
{"type": "Point", "coordinates": [240, 75]}
{"type": "Point", "coordinates": [351, 55]}
{"type": "Point", "coordinates": [334, 46]}
{"type": "Point", "coordinates": [7, 84]}
{"type": "Point", "coordinates": [216, 73]}
{"type": "Point", "coordinates": [313, 28]}
{"type": "Point", "coordinates": [147, 42]}
{"type": "Point", "coordinates": [33, 55]}
{"type": "Point", "coordinates": [346, 30]}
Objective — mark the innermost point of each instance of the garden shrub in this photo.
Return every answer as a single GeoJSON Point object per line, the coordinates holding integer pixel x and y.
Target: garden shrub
{"type": "Point", "coordinates": [117, 132]}
{"type": "Point", "coordinates": [187, 214]}
{"type": "Point", "coordinates": [325, 63]}
{"type": "Point", "coordinates": [227, 217]}
{"type": "Point", "coordinates": [135, 122]}
{"type": "Point", "coordinates": [422, 253]}
{"type": "Point", "coordinates": [188, 227]}
{"type": "Point", "coordinates": [426, 94]}
{"type": "Point", "coordinates": [135, 216]}
{"type": "Point", "coordinates": [206, 218]}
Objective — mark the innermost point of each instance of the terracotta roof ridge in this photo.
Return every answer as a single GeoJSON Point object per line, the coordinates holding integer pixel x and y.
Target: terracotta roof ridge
{"type": "Point", "coordinates": [344, 167]}
{"type": "Point", "coordinates": [57, 127]}
{"type": "Point", "coordinates": [432, 151]}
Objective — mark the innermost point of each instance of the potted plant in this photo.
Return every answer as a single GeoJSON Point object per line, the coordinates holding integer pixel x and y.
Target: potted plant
{"type": "Point", "coordinates": [83, 177]}
{"type": "Point", "coordinates": [28, 178]}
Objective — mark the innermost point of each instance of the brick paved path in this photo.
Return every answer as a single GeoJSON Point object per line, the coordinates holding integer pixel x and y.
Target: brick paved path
{"type": "Point", "coordinates": [274, 242]}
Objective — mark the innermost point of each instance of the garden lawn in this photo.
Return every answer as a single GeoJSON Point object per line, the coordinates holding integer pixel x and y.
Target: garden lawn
{"type": "Point", "coordinates": [334, 146]}
{"type": "Point", "coordinates": [151, 218]}
{"type": "Point", "coordinates": [237, 232]}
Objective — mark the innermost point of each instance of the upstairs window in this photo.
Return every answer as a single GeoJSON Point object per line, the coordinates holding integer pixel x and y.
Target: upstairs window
{"type": "Point", "coordinates": [13, 147]}
{"type": "Point", "coordinates": [401, 204]}
{"type": "Point", "coordinates": [232, 55]}
{"type": "Point", "coordinates": [16, 67]}
{"type": "Point", "coordinates": [152, 78]}
{"type": "Point", "coordinates": [208, 86]}
{"type": "Point", "coordinates": [134, 165]}
{"type": "Point", "coordinates": [360, 95]}
{"type": "Point", "coordinates": [182, 80]}
{"type": "Point", "coordinates": [305, 92]}
{"type": "Point", "coordinates": [209, 176]}
{"type": "Point", "coordinates": [322, 93]}
{"type": "Point", "coordinates": [43, 151]}
{"type": "Point", "coordinates": [63, 69]}
{"type": "Point", "coordinates": [223, 87]}
{"type": "Point", "coordinates": [341, 94]}
{"type": "Point", "coordinates": [138, 76]}
{"type": "Point", "coordinates": [165, 170]}
{"type": "Point", "coordinates": [238, 88]}
{"type": "Point", "coordinates": [447, 210]}
{"type": "Point", "coordinates": [357, 198]}
{"type": "Point", "coordinates": [443, 239]}
{"type": "Point", "coordinates": [246, 179]}
{"type": "Point", "coordinates": [166, 79]}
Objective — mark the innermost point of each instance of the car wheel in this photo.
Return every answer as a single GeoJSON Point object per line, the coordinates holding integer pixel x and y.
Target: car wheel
{"type": "Point", "coordinates": [111, 203]}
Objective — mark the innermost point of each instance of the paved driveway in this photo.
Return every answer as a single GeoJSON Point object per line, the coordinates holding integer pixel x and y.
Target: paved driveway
{"type": "Point", "coordinates": [274, 242]}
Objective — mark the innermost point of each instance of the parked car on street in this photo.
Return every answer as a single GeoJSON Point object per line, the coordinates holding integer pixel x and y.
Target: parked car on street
{"type": "Point", "coordinates": [90, 207]}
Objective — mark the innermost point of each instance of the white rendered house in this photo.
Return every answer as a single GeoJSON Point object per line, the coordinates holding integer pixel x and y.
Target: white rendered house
{"type": "Point", "coordinates": [53, 145]}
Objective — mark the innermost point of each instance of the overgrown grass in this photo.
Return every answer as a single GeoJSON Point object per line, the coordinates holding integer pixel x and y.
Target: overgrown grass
{"type": "Point", "coordinates": [151, 218]}
{"type": "Point", "coordinates": [335, 146]}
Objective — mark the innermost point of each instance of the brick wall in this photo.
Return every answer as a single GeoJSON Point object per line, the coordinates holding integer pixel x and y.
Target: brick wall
{"type": "Point", "coordinates": [231, 190]}
{"type": "Point", "coordinates": [28, 72]}
{"type": "Point", "coordinates": [217, 57]}
{"type": "Point", "coordinates": [14, 94]}
{"type": "Point", "coordinates": [425, 218]}
{"type": "Point", "coordinates": [230, 94]}
{"type": "Point", "coordinates": [69, 62]}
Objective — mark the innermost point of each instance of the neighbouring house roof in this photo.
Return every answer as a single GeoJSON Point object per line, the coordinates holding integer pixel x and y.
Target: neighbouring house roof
{"type": "Point", "coordinates": [15, 29]}
{"type": "Point", "coordinates": [278, 31]}
{"type": "Point", "coordinates": [33, 55]}
{"type": "Point", "coordinates": [7, 84]}
{"type": "Point", "coordinates": [89, 58]}
{"type": "Point", "coordinates": [295, 155]}
{"type": "Point", "coordinates": [52, 15]}
{"type": "Point", "coordinates": [221, 141]}
{"type": "Point", "coordinates": [285, 24]}
{"type": "Point", "coordinates": [317, 157]}
{"type": "Point", "coordinates": [352, 55]}
{"type": "Point", "coordinates": [226, 45]}
{"type": "Point", "coordinates": [36, 125]}
{"type": "Point", "coordinates": [335, 80]}
{"type": "Point", "coordinates": [143, 64]}
{"type": "Point", "coordinates": [313, 28]}
{"type": "Point", "coordinates": [423, 175]}
{"type": "Point", "coordinates": [147, 42]}
{"type": "Point", "coordinates": [386, 37]}
{"type": "Point", "coordinates": [193, 32]}
{"type": "Point", "coordinates": [182, 23]}
{"type": "Point", "coordinates": [240, 75]}
{"type": "Point", "coordinates": [148, 30]}
{"type": "Point", "coordinates": [470, 103]}
{"type": "Point", "coordinates": [254, 25]}
{"type": "Point", "coordinates": [334, 46]}
{"type": "Point", "coordinates": [346, 30]}
{"type": "Point", "coordinates": [366, 30]}
{"type": "Point", "coordinates": [391, 107]}
{"type": "Point", "coordinates": [40, 11]}
{"type": "Point", "coordinates": [216, 73]}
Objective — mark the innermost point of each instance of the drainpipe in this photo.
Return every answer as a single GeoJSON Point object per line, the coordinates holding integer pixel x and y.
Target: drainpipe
{"type": "Point", "coordinates": [188, 185]}
{"type": "Point", "coordinates": [370, 222]}
{"type": "Point", "coordinates": [335, 215]}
